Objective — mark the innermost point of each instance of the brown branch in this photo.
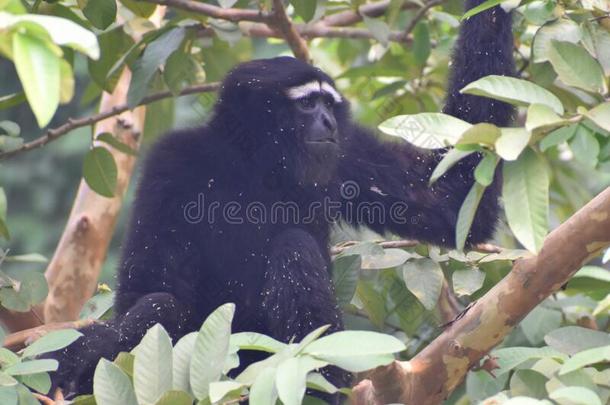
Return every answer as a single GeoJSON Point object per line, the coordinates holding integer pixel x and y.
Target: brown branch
{"type": "Point", "coordinates": [18, 340]}
{"type": "Point", "coordinates": [230, 14]}
{"type": "Point", "coordinates": [281, 21]}
{"type": "Point", "coordinates": [421, 13]}
{"type": "Point", "coordinates": [310, 31]}
{"type": "Point", "coordinates": [438, 369]}
{"type": "Point", "coordinates": [73, 123]}
{"type": "Point", "coordinates": [371, 10]}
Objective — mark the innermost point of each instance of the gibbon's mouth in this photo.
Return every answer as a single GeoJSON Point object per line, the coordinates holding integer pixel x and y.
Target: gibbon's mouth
{"type": "Point", "coordinates": [327, 141]}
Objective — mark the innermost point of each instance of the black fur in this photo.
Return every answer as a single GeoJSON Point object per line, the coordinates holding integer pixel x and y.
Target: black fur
{"type": "Point", "coordinates": [179, 265]}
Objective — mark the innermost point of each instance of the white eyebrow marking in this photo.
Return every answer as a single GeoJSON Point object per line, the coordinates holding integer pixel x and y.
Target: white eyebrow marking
{"type": "Point", "coordinates": [327, 88]}
{"type": "Point", "coordinates": [304, 90]}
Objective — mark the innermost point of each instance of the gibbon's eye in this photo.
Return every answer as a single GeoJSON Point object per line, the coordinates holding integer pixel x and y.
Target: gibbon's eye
{"type": "Point", "coordinates": [328, 101]}
{"type": "Point", "coordinates": [307, 103]}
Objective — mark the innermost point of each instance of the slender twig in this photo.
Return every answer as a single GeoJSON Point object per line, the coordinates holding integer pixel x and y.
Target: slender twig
{"type": "Point", "coordinates": [73, 123]}
{"type": "Point", "coordinates": [310, 31]}
{"type": "Point", "coordinates": [282, 22]}
{"type": "Point", "coordinates": [18, 340]}
{"type": "Point", "coordinates": [230, 14]}
{"type": "Point", "coordinates": [420, 14]}
{"type": "Point", "coordinates": [406, 243]}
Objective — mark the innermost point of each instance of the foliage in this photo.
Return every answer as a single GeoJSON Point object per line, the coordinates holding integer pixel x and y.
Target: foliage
{"type": "Point", "coordinates": [196, 369]}
{"type": "Point", "coordinates": [21, 373]}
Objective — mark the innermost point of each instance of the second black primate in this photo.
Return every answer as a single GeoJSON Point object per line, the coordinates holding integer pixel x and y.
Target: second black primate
{"type": "Point", "coordinates": [240, 210]}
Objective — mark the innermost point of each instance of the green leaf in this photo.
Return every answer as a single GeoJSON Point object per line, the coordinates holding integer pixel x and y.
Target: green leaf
{"type": "Point", "coordinates": [182, 361]}
{"type": "Point", "coordinates": [557, 137]}
{"type": "Point", "coordinates": [526, 199]}
{"type": "Point", "coordinates": [468, 281]}
{"type": "Point", "coordinates": [108, 138]}
{"type": "Point", "coordinates": [486, 5]}
{"type": "Point", "coordinates": [576, 396]}
{"type": "Point", "coordinates": [529, 383]}
{"type": "Point", "coordinates": [539, 322]}
{"type": "Point", "coordinates": [101, 13]}
{"type": "Point", "coordinates": [155, 54]}
{"type": "Point", "coordinates": [111, 386]}
{"type": "Point", "coordinates": [318, 382]}
{"type": "Point", "coordinates": [587, 74]}
{"type": "Point", "coordinates": [426, 130]}
{"type": "Point", "coordinates": [38, 69]}
{"type": "Point", "coordinates": [509, 358]}
{"type": "Point", "coordinates": [585, 146]}
{"type": "Point", "coordinates": [586, 358]}
{"type": "Point", "coordinates": [100, 171]}
{"type": "Point", "coordinates": [226, 3]}
{"type": "Point", "coordinates": [32, 367]}
{"type": "Point", "coordinates": [448, 161]}
{"type": "Point", "coordinates": [256, 341]}
{"type": "Point", "coordinates": [125, 361]}
{"type": "Point", "coordinates": [560, 30]}
{"type": "Point", "coordinates": [211, 350]}
{"type": "Point", "coordinates": [152, 368]}
{"type": "Point", "coordinates": [29, 288]}
{"type": "Point", "coordinates": [379, 29]}
{"type": "Point", "coordinates": [421, 43]}
{"type": "Point", "coordinates": [355, 350]}
{"type": "Point", "coordinates": [513, 91]}
{"type": "Point", "coordinates": [424, 278]}
{"type": "Point", "coordinates": [263, 391]}
{"type": "Point", "coordinates": [512, 142]}
{"type": "Point", "coordinates": [388, 259]}
{"type": "Point", "coordinates": [40, 382]}
{"type": "Point", "coordinates": [12, 100]}
{"type": "Point", "coordinates": [51, 342]}
{"type": "Point", "coordinates": [485, 170]}
{"type": "Point", "coordinates": [27, 258]}
{"type": "Point", "coordinates": [346, 272]}
{"type": "Point", "coordinates": [480, 134]}
{"type": "Point", "coordinates": [113, 44]}
{"type": "Point", "coordinates": [3, 204]}
{"type": "Point", "coordinates": [600, 115]}
{"type": "Point", "coordinates": [62, 31]}
{"type": "Point", "coordinates": [139, 8]}
{"type": "Point", "coordinates": [180, 70]}
{"type": "Point", "coordinates": [222, 389]}
{"type": "Point", "coordinates": [466, 216]}
{"type": "Point", "coordinates": [290, 381]}
{"type": "Point", "coordinates": [573, 339]}
{"type": "Point", "coordinates": [306, 9]}
{"type": "Point", "coordinates": [175, 398]}
{"type": "Point", "coordinates": [541, 118]}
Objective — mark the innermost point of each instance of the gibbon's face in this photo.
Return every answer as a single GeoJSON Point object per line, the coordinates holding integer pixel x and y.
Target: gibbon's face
{"type": "Point", "coordinates": [314, 105]}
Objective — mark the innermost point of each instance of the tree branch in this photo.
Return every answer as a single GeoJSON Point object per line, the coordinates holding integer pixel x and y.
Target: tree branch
{"type": "Point", "coordinates": [282, 22]}
{"type": "Point", "coordinates": [421, 13]}
{"type": "Point", "coordinates": [73, 123]}
{"type": "Point", "coordinates": [438, 369]}
{"type": "Point", "coordinates": [230, 14]}
{"type": "Point", "coordinates": [18, 340]}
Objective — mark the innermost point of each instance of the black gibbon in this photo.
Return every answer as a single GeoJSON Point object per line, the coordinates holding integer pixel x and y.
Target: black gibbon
{"type": "Point", "coordinates": [281, 140]}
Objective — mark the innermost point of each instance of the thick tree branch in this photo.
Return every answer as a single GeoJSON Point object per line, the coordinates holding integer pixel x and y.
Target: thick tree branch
{"type": "Point", "coordinates": [73, 123]}
{"type": "Point", "coordinates": [436, 371]}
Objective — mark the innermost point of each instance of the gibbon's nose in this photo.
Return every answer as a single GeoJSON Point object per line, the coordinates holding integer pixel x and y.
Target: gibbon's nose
{"type": "Point", "coordinates": [329, 122]}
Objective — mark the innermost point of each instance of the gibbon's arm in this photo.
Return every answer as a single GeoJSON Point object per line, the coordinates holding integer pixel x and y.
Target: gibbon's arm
{"type": "Point", "coordinates": [395, 174]}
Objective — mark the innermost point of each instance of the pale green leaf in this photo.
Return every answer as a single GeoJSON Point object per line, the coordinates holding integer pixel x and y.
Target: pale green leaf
{"type": "Point", "coordinates": [526, 199]}
{"type": "Point", "coordinates": [111, 386]}
{"type": "Point", "coordinates": [513, 91]}
{"type": "Point", "coordinates": [38, 68]}
{"type": "Point", "coordinates": [152, 368]}
{"type": "Point", "coordinates": [562, 29]}
{"type": "Point", "coordinates": [466, 215]}
{"type": "Point", "coordinates": [587, 74]}
{"type": "Point", "coordinates": [426, 130]}
{"type": "Point", "coordinates": [424, 278]}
